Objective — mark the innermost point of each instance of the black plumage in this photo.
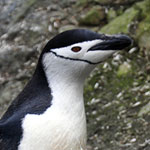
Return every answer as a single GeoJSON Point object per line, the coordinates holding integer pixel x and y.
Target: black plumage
{"type": "Point", "coordinates": [34, 99]}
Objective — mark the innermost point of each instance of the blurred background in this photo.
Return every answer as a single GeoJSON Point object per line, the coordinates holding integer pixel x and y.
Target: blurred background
{"type": "Point", "coordinates": [117, 93]}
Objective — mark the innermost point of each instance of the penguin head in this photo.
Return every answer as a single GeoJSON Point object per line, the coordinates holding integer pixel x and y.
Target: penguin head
{"type": "Point", "coordinates": [78, 51]}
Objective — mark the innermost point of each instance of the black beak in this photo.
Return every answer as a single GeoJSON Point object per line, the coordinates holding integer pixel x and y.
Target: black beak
{"type": "Point", "coordinates": [117, 42]}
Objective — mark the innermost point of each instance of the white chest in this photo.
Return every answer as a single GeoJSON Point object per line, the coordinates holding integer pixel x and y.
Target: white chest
{"type": "Point", "coordinates": [60, 127]}
{"type": "Point", "coordinates": [63, 125]}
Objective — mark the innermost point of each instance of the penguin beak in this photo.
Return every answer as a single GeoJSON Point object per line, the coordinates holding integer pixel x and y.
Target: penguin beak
{"type": "Point", "coordinates": [116, 42]}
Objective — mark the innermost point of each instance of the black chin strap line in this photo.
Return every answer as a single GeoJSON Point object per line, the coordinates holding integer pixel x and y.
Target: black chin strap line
{"type": "Point", "coordinates": [68, 58]}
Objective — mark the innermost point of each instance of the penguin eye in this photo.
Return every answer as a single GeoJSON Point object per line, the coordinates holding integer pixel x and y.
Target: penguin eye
{"type": "Point", "coordinates": [76, 49]}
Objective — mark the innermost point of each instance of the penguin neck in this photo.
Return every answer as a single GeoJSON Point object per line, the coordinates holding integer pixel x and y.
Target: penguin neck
{"type": "Point", "coordinates": [67, 91]}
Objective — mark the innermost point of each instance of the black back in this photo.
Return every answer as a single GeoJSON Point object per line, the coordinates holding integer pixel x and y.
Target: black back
{"type": "Point", "coordinates": [34, 99]}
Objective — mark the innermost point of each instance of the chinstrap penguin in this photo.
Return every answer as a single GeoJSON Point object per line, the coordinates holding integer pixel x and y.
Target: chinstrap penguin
{"type": "Point", "coordinates": [49, 113]}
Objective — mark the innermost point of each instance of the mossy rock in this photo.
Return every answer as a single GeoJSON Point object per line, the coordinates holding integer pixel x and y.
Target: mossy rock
{"type": "Point", "coordinates": [105, 2]}
{"type": "Point", "coordinates": [137, 15]}
{"type": "Point", "coordinates": [121, 23]}
{"type": "Point", "coordinates": [112, 14]}
{"type": "Point", "coordinates": [87, 2]}
{"type": "Point", "coordinates": [83, 2]}
{"type": "Point", "coordinates": [143, 29]}
{"type": "Point", "coordinates": [115, 2]}
{"type": "Point", "coordinates": [144, 40]}
{"type": "Point", "coordinates": [93, 17]}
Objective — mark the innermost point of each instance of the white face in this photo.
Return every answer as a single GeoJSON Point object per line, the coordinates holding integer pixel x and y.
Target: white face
{"type": "Point", "coordinates": [91, 57]}
{"type": "Point", "coordinates": [75, 63]}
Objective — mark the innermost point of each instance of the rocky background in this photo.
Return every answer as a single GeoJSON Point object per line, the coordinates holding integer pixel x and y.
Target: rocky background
{"type": "Point", "coordinates": [117, 93]}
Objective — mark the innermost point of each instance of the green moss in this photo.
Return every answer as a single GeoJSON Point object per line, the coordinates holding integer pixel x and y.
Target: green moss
{"type": "Point", "coordinates": [82, 2]}
{"type": "Point", "coordinates": [139, 12]}
{"type": "Point", "coordinates": [103, 1]}
{"type": "Point", "coordinates": [144, 24]}
{"type": "Point", "coordinates": [143, 29]}
{"type": "Point", "coordinates": [143, 34]}
{"type": "Point", "coordinates": [121, 23]}
{"type": "Point", "coordinates": [87, 2]}
{"type": "Point", "coordinates": [93, 17]}
{"type": "Point", "coordinates": [106, 2]}
{"type": "Point", "coordinates": [111, 14]}
{"type": "Point", "coordinates": [144, 7]}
